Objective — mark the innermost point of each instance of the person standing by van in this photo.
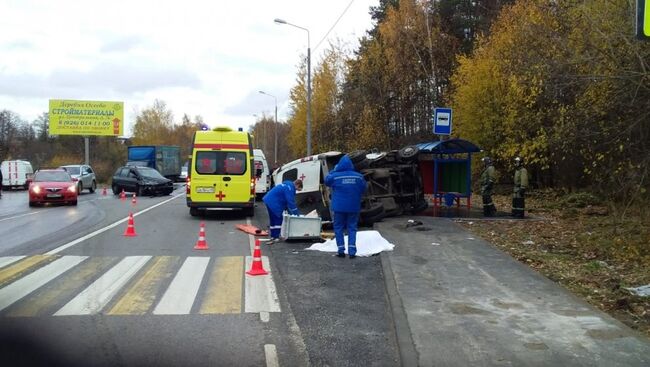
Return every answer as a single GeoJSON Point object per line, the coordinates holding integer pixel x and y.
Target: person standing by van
{"type": "Point", "coordinates": [279, 199]}
{"type": "Point", "coordinates": [348, 187]}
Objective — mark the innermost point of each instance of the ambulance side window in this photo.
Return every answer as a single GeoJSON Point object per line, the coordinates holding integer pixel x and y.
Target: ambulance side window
{"type": "Point", "coordinates": [290, 175]}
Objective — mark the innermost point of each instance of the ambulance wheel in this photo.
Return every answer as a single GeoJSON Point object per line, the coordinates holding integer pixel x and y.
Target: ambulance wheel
{"type": "Point", "coordinates": [195, 212]}
{"type": "Point", "coordinates": [249, 212]}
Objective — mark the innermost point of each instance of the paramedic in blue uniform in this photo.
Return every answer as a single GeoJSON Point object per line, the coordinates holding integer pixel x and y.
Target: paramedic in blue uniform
{"type": "Point", "coordinates": [279, 199]}
{"type": "Point", "coordinates": [347, 186]}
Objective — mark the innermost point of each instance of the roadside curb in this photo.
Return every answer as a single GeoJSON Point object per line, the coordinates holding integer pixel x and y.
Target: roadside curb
{"type": "Point", "coordinates": [407, 352]}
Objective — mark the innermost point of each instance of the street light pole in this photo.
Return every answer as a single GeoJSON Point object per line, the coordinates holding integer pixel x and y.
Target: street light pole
{"type": "Point", "coordinates": [282, 21]}
{"type": "Point", "coordinates": [275, 129]}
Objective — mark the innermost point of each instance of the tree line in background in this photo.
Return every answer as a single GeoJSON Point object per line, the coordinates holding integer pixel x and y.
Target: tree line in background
{"type": "Point", "coordinates": [20, 139]}
{"type": "Point", "coordinates": [565, 85]}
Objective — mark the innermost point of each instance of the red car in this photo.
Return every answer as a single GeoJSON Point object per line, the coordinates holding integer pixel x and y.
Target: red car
{"type": "Point", "coordinates": [52, 186]}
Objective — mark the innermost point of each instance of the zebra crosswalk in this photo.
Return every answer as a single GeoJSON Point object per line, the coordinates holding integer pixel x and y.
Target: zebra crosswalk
{"type": "Point", "coordinates": [56, 285]}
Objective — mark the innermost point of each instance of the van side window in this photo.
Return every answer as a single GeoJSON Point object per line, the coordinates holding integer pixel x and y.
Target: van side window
{"type": "Point", "coordinates": [221, 163]}
{"type": "Point", "coordinates": [290, 175]}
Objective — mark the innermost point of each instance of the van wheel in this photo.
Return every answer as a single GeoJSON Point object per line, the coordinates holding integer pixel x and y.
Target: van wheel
{"type": "Point", "coordinates": [93, 187]}
{"type": "Point", "coordinates": [250, 212]}
{"type": "Point", "coordinates": [357, 156]}
{"type": "Point", "coordinates": [195, 212]}
{"type": "Point", "coordinates": [407, 154]}
{"type": "Point", "coordinates": [80, 188]}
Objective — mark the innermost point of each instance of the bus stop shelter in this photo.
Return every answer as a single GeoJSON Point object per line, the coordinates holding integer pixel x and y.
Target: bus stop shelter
{"type": "Point", "coordinates": [446, 169]}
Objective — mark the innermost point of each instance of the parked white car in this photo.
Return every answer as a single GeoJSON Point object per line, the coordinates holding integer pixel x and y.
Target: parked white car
{"type": "Point", "coordinates": [262, 173]}
{"type": "Point", "coordinates": [15, 174]}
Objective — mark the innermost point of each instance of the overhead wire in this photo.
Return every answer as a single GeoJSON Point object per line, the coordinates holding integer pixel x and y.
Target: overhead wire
{"type": "Point", "coordinates": [334, 25]}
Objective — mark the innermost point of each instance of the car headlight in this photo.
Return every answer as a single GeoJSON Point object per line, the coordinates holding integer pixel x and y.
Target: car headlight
{"type": "Point", "coordinates": [72, 188]}
{"type": "Point", "coordinates": [36, 189]}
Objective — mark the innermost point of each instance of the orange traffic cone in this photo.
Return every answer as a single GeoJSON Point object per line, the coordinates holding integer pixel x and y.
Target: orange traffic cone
{"type": "Point", "coordinates": [257, 268]}
{"type": "Point", "coordinates": [133, 201]}
{"type": "Point", "coordinates": [122, 195]}
{"type": "Point", "coordinates": [130, 228]}
{"type": "Point", "coordinates": [201, 244]}
{"type": "Point", "coordinates": [104, 191]}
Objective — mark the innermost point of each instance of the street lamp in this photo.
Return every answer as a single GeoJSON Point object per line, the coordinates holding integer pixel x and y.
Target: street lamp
{"type": "Point", "coordinates": [282, 21]}
{"type": "Point", "coordinates": [275, 128]}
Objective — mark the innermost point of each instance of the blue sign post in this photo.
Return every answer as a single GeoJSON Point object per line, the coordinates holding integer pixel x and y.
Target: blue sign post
{"type": "Point", "coordinates": [442, 121]}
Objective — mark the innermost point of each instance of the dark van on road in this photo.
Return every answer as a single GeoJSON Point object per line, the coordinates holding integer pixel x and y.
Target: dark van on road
{"type": "Point", "coordinates": [141, 180]}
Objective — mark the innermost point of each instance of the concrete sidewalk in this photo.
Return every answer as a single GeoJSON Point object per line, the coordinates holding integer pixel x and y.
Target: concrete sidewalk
{"type": "Point", "coordinates": [466, 303]}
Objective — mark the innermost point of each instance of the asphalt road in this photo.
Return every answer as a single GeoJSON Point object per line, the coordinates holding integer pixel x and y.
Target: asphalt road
{"type": "Point", "coordinates": [75, 291]}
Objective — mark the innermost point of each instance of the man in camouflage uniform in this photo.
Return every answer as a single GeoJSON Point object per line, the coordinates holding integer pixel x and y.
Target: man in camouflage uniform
{"type": "Point", "coordinates": [521, 185]}
{"type": "Point", "coordinates": [488, 177]}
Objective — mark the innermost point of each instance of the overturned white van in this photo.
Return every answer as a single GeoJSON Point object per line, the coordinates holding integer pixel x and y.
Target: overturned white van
{"type": "Point", "coordinates": [394, 182]}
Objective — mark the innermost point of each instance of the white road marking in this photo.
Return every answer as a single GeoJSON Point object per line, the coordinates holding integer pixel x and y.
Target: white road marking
{"type": "Point", "coordinates": [265, 316]}
{"type": "Point", "coordinates": [20, 216]}
{"type": "Point", "coordinates": [93, 299]}
{"type": "Point", "coordinates": [271, 355]}
{"type": "Point", "coordinates": [102, 230]}
{"type": "Point", "coordinates": [251, 238]}
{"type": "Point", "coordinates": [260, 293]}
{"type": "Point", "coordinates": [4, 261]}
{"type": "Point", "coordinates": [24, 286]}
{"type": "Point", "coordinates": [179, 297]}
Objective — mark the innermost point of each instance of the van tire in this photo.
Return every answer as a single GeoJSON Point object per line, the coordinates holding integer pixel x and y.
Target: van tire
{"type": "Point", "coordinates": [249, 212]}
{"type": "Point", "coordinates": [93, 187]}
{"type": "Point", "coordinates": [375, 209]}
{"type": "Point", "coordinates": [408, 153]}
{"type": "Point", "coordinates": [374, 214]}
{"type": "Point", "coordinates": [195, 212]}
{"type": "Point", "coordinates": [357, 156]}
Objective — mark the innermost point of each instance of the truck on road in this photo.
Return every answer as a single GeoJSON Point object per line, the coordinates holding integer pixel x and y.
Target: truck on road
{"type": "Point", "coordinates": [165, 159]}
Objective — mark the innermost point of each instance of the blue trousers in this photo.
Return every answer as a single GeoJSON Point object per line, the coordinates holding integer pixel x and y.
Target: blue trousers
{"type": "Point", "coordinates": [275, 223]}
{"type": "Point", "coordinates": [343, 221]}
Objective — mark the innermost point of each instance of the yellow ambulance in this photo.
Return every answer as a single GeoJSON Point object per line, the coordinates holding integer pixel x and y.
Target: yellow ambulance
{"type": "Point", "coordinates": [220, 172]}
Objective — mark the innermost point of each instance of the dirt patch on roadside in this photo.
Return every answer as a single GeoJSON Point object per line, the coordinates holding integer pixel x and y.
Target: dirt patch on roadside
{"type": "Point", "coordinates": [594, 251]}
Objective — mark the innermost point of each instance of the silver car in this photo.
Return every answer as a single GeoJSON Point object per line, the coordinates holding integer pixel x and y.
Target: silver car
{"type": "Point", "coordinates": [84, 175]}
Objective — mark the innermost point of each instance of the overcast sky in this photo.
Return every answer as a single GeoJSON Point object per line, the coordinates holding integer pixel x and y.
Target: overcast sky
{"type": "Point", "coordinates": [207, 58]}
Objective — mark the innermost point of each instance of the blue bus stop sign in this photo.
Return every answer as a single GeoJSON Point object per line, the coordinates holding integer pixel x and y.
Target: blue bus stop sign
{"type": "Point", "coordinates": [442, 121]}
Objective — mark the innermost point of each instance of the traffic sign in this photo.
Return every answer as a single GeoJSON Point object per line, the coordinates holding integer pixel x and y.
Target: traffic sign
{"type": "Point", "coordinates": [442, 121]}
{"type": "Point", "coordinates": [643, 19]}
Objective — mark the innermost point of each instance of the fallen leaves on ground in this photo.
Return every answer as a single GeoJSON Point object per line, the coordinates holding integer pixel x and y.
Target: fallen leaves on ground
{"type": "Point", "coordinates": [594, 253]}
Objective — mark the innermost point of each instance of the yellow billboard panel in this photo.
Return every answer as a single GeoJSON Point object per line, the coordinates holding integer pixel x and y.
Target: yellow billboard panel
{"type": "Point", "coordinates": [69, 117]}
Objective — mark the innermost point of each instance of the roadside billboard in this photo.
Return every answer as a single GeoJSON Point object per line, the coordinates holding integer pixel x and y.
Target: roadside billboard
{"type": "Point", "coordinates": [70, 117]}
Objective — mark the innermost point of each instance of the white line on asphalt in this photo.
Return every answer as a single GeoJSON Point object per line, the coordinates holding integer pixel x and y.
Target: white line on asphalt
{"type": "Point", "coordinates": [179, 297]}
{"type": "Point", "coordinates": [260, 290]}
{"type": "Point", "coordinates": [4, 261]}
{"type": "Point", "coordinates": [24, 286]}
{"type": "Point", "coordinates": [271, 355]}
{"type": "Point", "coordinates": [251, 238]}
{"type": "Point", "coordinates": [265, 316]}
{"type": "Point", "coordinates": [102, 230]}
{"type": "Point", "coordinates": [22, 215]}
{"type": "Point", "coordinates": [92, 299]}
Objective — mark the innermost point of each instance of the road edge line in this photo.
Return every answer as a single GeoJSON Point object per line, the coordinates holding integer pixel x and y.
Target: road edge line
{"type": "Point", "coordinates": [102, 230]}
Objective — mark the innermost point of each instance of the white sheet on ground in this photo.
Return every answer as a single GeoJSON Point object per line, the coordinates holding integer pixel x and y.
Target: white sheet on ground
{"type": "Point", "coordinates": [368, 243]}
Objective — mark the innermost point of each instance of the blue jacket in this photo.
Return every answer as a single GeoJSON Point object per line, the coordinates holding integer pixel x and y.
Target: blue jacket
{"type": "Point", "coordinates": [347, 186]}
{"type": "Point", "coordinates": [282, 197]}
